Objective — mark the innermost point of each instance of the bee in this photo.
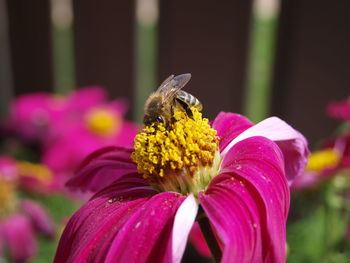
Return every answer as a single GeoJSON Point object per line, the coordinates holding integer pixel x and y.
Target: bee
{"type": "Point", "coordinates": [160, 105]}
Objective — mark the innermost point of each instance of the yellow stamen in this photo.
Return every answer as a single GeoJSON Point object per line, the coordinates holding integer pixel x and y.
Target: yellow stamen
{"type": "Point", "coordinates": [34, 170]}
{"type": "Point", "coordinates": [103, 122]}
{"type": "Point", "coordinates": [182, 157]}
{"type": "Point", "coordinates": [325, 159]}
{"type": "Point", "coordinates": [8, 198]}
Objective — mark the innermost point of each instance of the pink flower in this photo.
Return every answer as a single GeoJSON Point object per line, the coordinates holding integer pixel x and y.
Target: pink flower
{"type": "Point", "coordinates": [20, 219]}
{"type": "Point", "coordinates": [245, 201]}
{"type": "Point", "coordinates": [33, 116]}
{"type": "Point", "coordinates": [324, 164]}
{"type": "Point", "coordinates": [340, 110]}
{"type": "Point", "coordinates": [99, 126]}
{"type": "Point", "coordinates": [69, 128]}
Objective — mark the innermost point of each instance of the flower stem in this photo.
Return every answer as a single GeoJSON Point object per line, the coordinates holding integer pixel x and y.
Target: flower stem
{"type": "Point", "coordinates": [209, 235]}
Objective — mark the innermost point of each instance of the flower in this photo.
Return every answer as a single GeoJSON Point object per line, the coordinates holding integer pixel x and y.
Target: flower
{"type": "Point", "coordinates": [99, 126]}
{"type": "Point", "coordinates": [35, 116]}
{"type": "Point", "coordinates": [20, 219]}
{"type": "Point", "coordinates": [334, 156]}
{"type": "Point", "coordinates": [340, 109]}
{"type": "Point", "coordinates": [36, 177]}
{"type": "Point", "coordinates": [68, 128]}
{"type": "Point", "coordinates": [322, 165]}
{"type": "Point", "coordinates": [231, 176]}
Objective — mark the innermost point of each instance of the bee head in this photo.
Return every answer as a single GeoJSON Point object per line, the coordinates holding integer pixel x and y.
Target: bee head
{"type": "Point", "coordinates": [149, 120]}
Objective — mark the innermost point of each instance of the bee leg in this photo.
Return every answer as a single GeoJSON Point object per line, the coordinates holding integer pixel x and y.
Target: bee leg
{"type": "Point", "coordinates": [186, 107]}
{"type": "Point", "coordinates": [172, 120]}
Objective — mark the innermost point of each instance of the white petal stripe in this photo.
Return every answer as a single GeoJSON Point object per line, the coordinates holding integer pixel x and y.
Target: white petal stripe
{"type": "Point", "coordinates": [184, 219]}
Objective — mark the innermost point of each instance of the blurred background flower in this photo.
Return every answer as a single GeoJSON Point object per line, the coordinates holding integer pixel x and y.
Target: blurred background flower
{"type": "Point", "coordinates": [20, 218]}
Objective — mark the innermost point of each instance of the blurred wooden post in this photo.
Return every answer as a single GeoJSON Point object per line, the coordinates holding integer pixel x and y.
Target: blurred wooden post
{"type": "Point", "coordinates": [209, 40]}
{"type": "Point", "coordinates": [312, 64]}
{"type": "Point", "coordinates": [31, 49]}
{"type": "Point", "coordinates": [104, 45]}
{"type": "Point", "coordinates": [5, 62]}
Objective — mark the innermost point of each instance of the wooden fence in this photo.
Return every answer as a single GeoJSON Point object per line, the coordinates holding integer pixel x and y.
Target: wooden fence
{"type": "Point", "coordinates": [209, 39]}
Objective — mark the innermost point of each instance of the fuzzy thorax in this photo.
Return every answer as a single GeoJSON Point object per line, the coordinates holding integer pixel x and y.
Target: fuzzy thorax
{"type": "Point", "coordinates": [183, 157]}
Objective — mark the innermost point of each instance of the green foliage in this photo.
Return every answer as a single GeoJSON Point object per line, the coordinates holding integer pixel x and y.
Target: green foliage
{"type": "Point", "coordinates": [317, 226]}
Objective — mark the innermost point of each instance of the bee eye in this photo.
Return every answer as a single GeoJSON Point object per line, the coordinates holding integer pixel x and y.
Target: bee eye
{"type": "Point", "coordinates": [159, 119]}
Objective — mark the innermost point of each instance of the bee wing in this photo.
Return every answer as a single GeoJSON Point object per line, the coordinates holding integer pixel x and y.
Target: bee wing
{"type": "Point", "coordinates": [172, 85]}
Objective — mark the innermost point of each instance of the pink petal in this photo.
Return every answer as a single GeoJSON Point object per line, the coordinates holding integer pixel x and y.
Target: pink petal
{"type": "Point", "coordinates": [84, 98]}
{"type": "Point", "coordinates": [184, 219]}
{"type": "Point", "coordinates": [340, 109]}
{"type": "Point", "coordinates": [90, 231]}
{"type": "Point", "coordinates": [292, 143]}
{"type": "Point", "coordinates": [8, 169]}
{"type": "Point", "coordinates": [228, 126]}
{"type": "Point", "coordinates": [20, 238]}
{"type": "Point", "coordinates": [103, 167]}
{"type": "Point", "coordinates": [147, 235]}
{"type": "Point", "coordinates": [257, 163]}
{"type": "Point", "coordinates": [307, 180]}
{"type": "Point", "coordinates": [39, 217]}
{"type": "Point", "coordinates": [197, 240]}
{"type": "Point", "coordinates": [233, 212]}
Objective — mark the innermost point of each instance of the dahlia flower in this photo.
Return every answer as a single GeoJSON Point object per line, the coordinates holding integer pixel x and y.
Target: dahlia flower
{"type": "Point", "coordinates": [322, 165]}
{"type": "Point", "coordinates": [340, 109]}
{"type": "Point", "coordinates": [231, 176]}
{"type": "Point", "coordinates": [333, 157]}
{"type": "Point", "coordinates": [70, 127]}
{"type": "Point", "coordinates": [99, 126]}
{"type": "Point", "coordinates": [20, 219]}
{"type": "Point", "coordinates": [34, 116]}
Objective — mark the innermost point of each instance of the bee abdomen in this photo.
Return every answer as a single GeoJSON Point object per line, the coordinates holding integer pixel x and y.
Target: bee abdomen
{"type": "Point", "coordinates": [189, 99]}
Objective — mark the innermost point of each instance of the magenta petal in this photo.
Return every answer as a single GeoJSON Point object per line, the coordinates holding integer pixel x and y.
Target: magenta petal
{"type": "Point", "coordinates": [103, 167]}
{"type": "Point", "coordinates": [20, 237]}
{"type": "Point", "coordinates": [147, 235]}
{"type": "Point", "coordinates": [90, 231]}
{"type": "Point", "coordinates": [340, 109]}
{"type": "Point", "coordinates": [257, 163]}
{"type": "Point", "coordinates": [233, 212]}
{"type": "Point", "coordinates": [228, 126]}
{"type": "Point", "coordinates": [197, 239]}
{"type": "Point", "coordinates": [39, 217]}
{"type": "Point", "coordinates": [292, 143]}
{"type": "Point", "coordinates": [307, 180]}
{"type": "Point", "coordinates": [84, 98]}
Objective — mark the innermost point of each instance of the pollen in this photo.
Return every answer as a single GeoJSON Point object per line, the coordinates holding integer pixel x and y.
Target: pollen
{"type": "Point", "coordinates": [325, 159]}
{"type": "Point", "coordinates": [173, 158]}
{"type": "Point", "coordinates": [102, 122]}
{"type": "Point", "coordinates": [8, 197]}
{"type": "Point", "coordinates": [36, 171]}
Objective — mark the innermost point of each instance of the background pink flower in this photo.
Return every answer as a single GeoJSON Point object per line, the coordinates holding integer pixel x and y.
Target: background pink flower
{"type": "Point", "coordinates": [20, 219]}
{"type": "Point", "coordinates": [35, 116]}
{"type": "Point", "coordinates": [340, 109]}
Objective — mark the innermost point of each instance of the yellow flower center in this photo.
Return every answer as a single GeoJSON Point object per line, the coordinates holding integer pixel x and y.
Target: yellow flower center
{"type": "Point", "coordinates": [102, 122]}
{"type": "Point", "coordinates": [182, 158]}
{"type": "Point", "coordinates": [8, 198]}
{"type": "Point", "coordinates": [321, 160]}
{"type": "Point", "coordinates": [37, 171]}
